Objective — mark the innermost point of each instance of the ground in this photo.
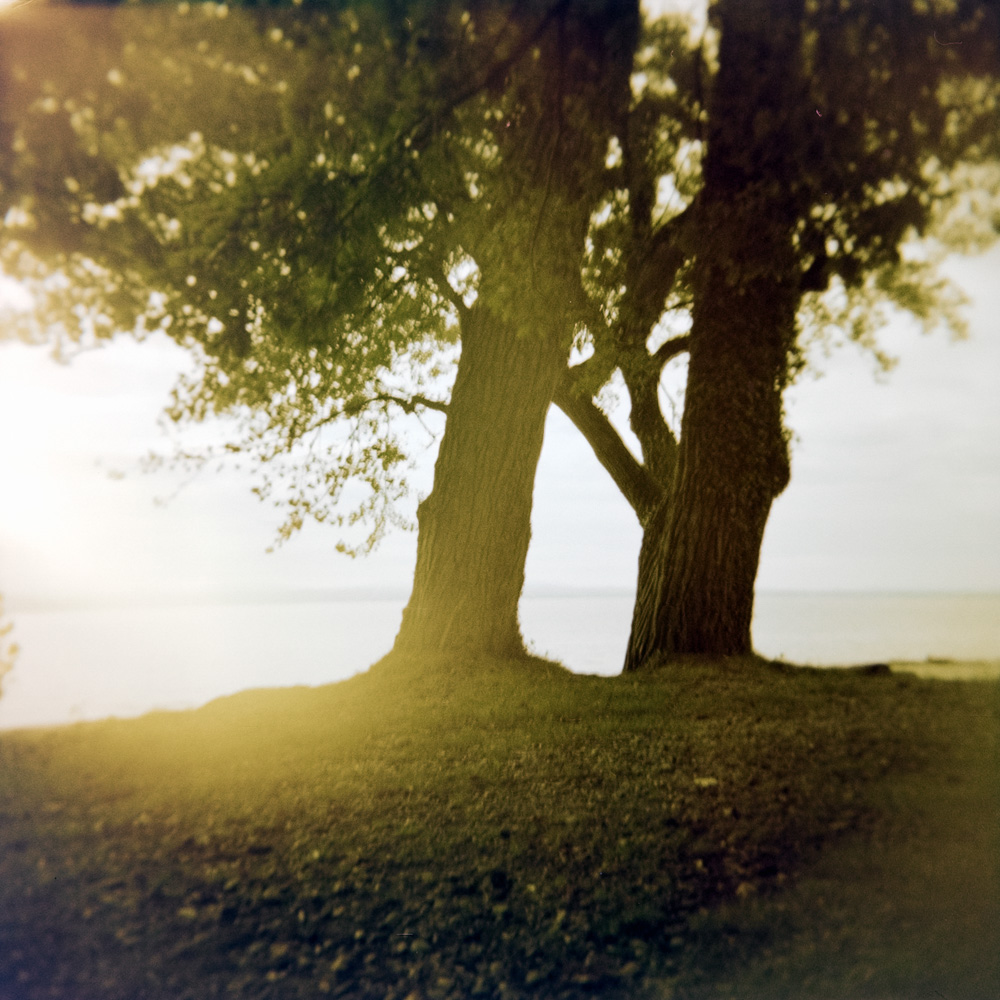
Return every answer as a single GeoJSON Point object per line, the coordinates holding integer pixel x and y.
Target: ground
{"type": "Point", "coordinates": [507, 829]}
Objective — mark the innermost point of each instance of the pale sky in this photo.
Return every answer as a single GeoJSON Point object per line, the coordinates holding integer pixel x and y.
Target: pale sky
{"type": "Point", "coordinates": [895, 484]}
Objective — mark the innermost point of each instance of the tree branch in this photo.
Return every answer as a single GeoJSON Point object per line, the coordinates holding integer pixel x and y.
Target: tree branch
{"type": "Point", "coordinates": [659, 446]}
{"type": "Point", "coordinates": [419, 264]}
{"type": "Point", "coordinates": [408, 404]}
{"type": "Point", "coordinates": [628, 473]}
{"type": "Point", "coordinates": [666, 246]}
{"type": "Point", "coordinates": [651, 276]}
{"type": "Point", "coordinates": [587, 377]}
{"type": "Point", "coordinates": [670, 349]}
{"type": "Point", "coordinates": [447, 290]}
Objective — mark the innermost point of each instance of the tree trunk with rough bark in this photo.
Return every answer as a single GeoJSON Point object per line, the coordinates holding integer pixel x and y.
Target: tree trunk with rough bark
{"type": "Point", "coordinates": [475, 526]}
{"type": "Point", "coordinates": [701, 551]}
{"type": "Point", "coordinates": [700, 554]}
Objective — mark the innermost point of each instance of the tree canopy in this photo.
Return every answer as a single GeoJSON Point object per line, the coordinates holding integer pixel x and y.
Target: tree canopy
{"type": "Point", "coordinates": [261, 227]}
{"type": "Point", "coordinates": [315, 232]}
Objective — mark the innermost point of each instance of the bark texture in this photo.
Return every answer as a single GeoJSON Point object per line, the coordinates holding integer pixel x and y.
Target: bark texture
{"type": "Point", "coordinates": [475, 526]}
{"type": "Point", "coordinates": [701, 551]}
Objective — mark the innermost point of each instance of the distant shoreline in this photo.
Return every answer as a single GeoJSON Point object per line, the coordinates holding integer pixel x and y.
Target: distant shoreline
{"type": "Point", "coordinates": [939, 668]}
{"type": "Point", "coordinates": [933, 668]}
{"type": "Point", "coordinates": [32, 603]}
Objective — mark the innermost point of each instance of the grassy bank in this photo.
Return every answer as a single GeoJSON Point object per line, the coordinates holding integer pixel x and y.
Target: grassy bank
{"type": "Point", "coordinates": [487, 830]}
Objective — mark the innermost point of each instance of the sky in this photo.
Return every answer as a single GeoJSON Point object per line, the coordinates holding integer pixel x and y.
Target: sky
{"type": "Point", "coordinates": [895, 483]}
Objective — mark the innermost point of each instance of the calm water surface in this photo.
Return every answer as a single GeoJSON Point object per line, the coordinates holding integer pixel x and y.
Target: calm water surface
{"type": "Point", "coordinates": [87, 664]}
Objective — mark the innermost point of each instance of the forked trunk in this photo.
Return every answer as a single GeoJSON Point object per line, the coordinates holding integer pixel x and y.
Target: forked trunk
{"type": "Point", "coordinates": [696, 583]}
{"type": "Point", "coordinates": [475, 526]}
{"type": "Point", "coordinates": [701, 550]}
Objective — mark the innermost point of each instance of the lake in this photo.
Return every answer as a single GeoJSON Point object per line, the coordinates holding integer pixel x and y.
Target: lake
{"type": "Point", "coordinates": [94, 662]}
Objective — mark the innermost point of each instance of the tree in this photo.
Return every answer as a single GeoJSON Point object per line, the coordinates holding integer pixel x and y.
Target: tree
{"type": "Point", "coordinates": [303, 263]}
{"type": "Point", "coordinates": [831, 134]}
{"type": "Point", "coordinates": [771, 166]}
{"type": "Point", "coordinates": [552, 143]}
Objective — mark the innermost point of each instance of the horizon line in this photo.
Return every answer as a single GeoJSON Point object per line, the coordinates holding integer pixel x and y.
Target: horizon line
{"type": "Point", "coordinates": [29, 603]}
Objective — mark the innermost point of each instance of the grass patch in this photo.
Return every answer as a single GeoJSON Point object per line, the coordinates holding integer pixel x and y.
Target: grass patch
{"type": "Point", "coordinates": [455, 830]}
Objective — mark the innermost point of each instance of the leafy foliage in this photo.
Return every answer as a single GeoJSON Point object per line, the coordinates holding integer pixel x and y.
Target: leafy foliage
{"type": "Point", "coordinates": [278, 230]}
{"type": "Point", "coordinates": [363, 175]}
{"type": "Point", "coordinates": [358, 180]}
{"type": "Point", "coordinates": [883, 155]}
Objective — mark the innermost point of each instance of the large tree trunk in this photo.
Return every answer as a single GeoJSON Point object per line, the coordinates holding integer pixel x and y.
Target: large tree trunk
{"type": "Point", "coordinates": [700, 552]}
{"type": "Point", "coordinates": [700, 557]}
{"type": "Point", "coordinates": [475, 526]}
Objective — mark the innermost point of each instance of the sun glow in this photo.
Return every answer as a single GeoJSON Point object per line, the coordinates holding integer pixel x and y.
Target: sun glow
{"type": "Point", "coordinates": [6, 5]}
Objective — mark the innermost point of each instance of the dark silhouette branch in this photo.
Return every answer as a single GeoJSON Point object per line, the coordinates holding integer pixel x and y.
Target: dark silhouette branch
{"type": "Point", "coordinates": [670, 349]}
{"type": "Point", "coordinates": [421, 267]}
{"type": "Point", "coordinates": [409, 404]}
{"type": "Point", "coordinates": [666, 250]}
{"type": "Point", "coordinates": [453, 296]}
{"type": "Point", "coordinates": [659, 446]}
{"type": "Point", "coordinates": [651, 275]}
{"type": "Point", "coordinates": [446, 289]}
{"type": "Point", "coordinates": [587, 377]}
{"type": "Point", "coordinates": [628, 473]}
{"type": "Point", "coordinates": [354, 407]}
